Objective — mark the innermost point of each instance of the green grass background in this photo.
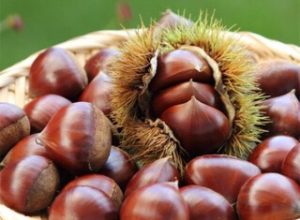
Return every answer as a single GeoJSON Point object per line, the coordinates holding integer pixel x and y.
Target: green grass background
{"type": "Point", "coordinates": [48, 22]}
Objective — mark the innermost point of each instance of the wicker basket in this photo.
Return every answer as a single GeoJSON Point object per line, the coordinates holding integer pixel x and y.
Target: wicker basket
{"type": "Point", "coordinates": [14, 80]}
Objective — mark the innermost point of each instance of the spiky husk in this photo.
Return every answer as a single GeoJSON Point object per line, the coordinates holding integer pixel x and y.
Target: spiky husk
{"type": "Point", "coordinates": [147, 140]}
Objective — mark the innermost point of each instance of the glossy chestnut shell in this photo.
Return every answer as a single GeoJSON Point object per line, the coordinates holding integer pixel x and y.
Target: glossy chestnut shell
{"type": "Point", "coordinates": [55, 71]}
{"type": "Point", "coordinates": [269, 196]}
{"type": "Point", "coordinates": [291, 164]}
{"type": "Point", "coordinates": [159, 201]}
{"type": "Point", "coordinates": [271, 152]}
{"type": "Point", "coordinates": [222, 173]}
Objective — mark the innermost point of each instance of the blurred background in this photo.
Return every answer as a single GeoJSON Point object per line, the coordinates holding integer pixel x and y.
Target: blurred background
{"type": "Point", "coordinates": [31, 25]}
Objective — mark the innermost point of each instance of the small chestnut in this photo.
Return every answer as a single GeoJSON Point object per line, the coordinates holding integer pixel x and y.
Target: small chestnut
{"type": "Point", "coordinates": [28, 186]}
{"type": "Point", "coordinates": [83, 202]}
{"type": "Point", "coordinates": [101, 183]}
{"type": "Point", "coordinates": [161, 170]}
{"type": "Point", "coordinates": [41, 109]}
{"type": "Point", "coordinates": [119, 166]}
{"type": "Point", "coordinates": [99, 62]}
{"type": "Point", "coordinates": [200, 128]}
{"type": "Point", "coordinates": [206, 204]}
{"type": "Point", "coordinates": [284, 112]}
{"type": "Point", "coordinates": [55, 71]}
{"type": "Point", "coordinates": [78, 138]}
{"type": "Point", "coordinates": [14, 125]}
{"type": "Point", "coordinates": [222, 173]}
{"type": "Point", "coordinates": [270, 153]}
{"type": "Point", "coordinates": [291, 164]}
{"type": "Point", "coordinates": [269, 196]}
{"type": "Point", "coordinates": [98, 92]}
{"type": "Point", "coordinates": [159, 201]}
{"type": "Point", "coordinates": [25, 147]}
{"type": "Point", "coordinates": [180, 66]}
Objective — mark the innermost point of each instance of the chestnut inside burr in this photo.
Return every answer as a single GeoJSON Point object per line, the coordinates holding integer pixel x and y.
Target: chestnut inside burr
{"type": "Point", "coordinates": [184, 97]}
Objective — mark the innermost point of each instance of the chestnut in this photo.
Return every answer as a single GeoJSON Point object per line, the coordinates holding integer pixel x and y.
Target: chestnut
{"type": "Point", "coordinates": [182, 93]}
{"type": "Point", "coordinates": [270, 153]}
{"type": "Point", "coordinates": [161, 170]}
{"type": "Point", "coordinates": [25, 147]}
{"type": "Point", "coordinates": [269, 196]}
{"type": "Point", "coordinates": [14, 125]}
{"type": "Point", "coordinates": [83, 202]}
{"type": "Point", "coordinates": [291, 164]}
{"type": "Point", "coordinates": [56, 71]}
{"type": "Point", "coordinates": [222, 173]}
{"type": "Point", "coordinates": [41, 109]}
{"type": "Point", "coordinates": [180, 66]}
{"type": "Point", "coordinates": [99, 62]}
{"type": "Point", "coordinates": [78, 138]}
{"type": "Point", "coordinates": [159, 201]}
{"type": "Point", "coordinates": [28, 186]}
{"type": "Point", "coordinates": [102, 183]}
{"type": "Point", "coordinates": [284, 112]}
{"type": "Point", "coordinates": [119, 166]}
{"type": "Point", "coordinates": [278, 77]}
{"type": "Point", "coordinates": [201, 129]}
{"type": "Point", "coordinates": [98, 92]}
{"type": "Point", "coordinates": [206, 204]}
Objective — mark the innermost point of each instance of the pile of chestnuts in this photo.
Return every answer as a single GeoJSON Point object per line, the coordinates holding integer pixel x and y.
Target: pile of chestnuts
{"type": "Point", "coordinates": [58, 157]}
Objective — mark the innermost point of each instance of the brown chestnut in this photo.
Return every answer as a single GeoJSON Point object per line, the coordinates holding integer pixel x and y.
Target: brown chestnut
{"type": "Point", "coordinates": [161, 170]}
{"type": "Point", "coordinates": [201, 129]}
{"type": "Point", "coordinates": [269, 196]}
{"type": "Point", "coordinates": [27, 146]}
{"type": "Point", "coordinates": [14, 125]}
{"type": "Point", "coordinates": [270, 153]}
{"type": "Point", "coordinates": [180, 66]}
{"type": "Point", "coordinates": [159, 201]}
{"type": "Point", "coordinates": [41, 109]}
{"type": "Point", "coordinates": [101, 183]}
{"type": "Point", "coordinates": [291, 164]}
{"type": "Point", "coordinates": [78, 137]}
{"type": "Point", "coordinates": [119, 166]}
{"type": "Point", "coordinates": [99, 62]}
{"type": "Point", "coordinates": [56, 71]}
{"type": "Point", "coordinates": [206, 204]}
{"type": "Point", "coordinates": [83, 202]}
{"type": "Point", "coordinates": [29, 185]}
{"type": "Point", "coordinates": [222, 173]}
{"type": "Point", "coordinates": [278, 77]}
{"type": "Point", "coordinates": [284, 112]}
{"type": "Point", "coordinates": [182, 93]}
{"type": "Point", "coordinates": [98, 92]}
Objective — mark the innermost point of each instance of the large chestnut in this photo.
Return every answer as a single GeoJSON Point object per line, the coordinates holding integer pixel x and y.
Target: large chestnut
{"type": "Point", "coordinates": [119, 166]}
{"type": "Point", "coordinates": [98, 92]}
{"type": "Point", "coordinates": [180, 66]}
{"type": "Point", "coordinates": [206, 204]}
{"type": "Point", "coordinates": [101, 183]}
{"type": "Point", "coordinates": [83, 202]}
{"type": "Point", "coordinates": [27, 146]}
{"type": "Point", "coordinates": [41, 109]}
{"type": "Point", "coordinates": [278, 77]}
{"type": "Point", "coordinates": [159, 201]}
{"type": "Point", "coordinates": [14, 125]}
{"type": "Point", "coordinates": [78, 137]}
{"type": "Point", "coordinates": [99, 62]}
{"type": "Point", "coordinates": [284, 112]}
{"type": "Point", "coordinates": [29, 185]}
{"type": "Point", "coordinates": [291, 164]}
{"type": "Point", "coordinates": [269, 196]}
{"type": "Point", "coordinates": [161, 170]}
{"type": "Point", "coordinates": [221, 173]}
{"type": "Point", "coordinates": [56, 71]}
{"type": "Point", "coordinates": [270, 153]}
{"type": "Point", "coordinates": [200, 128]}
